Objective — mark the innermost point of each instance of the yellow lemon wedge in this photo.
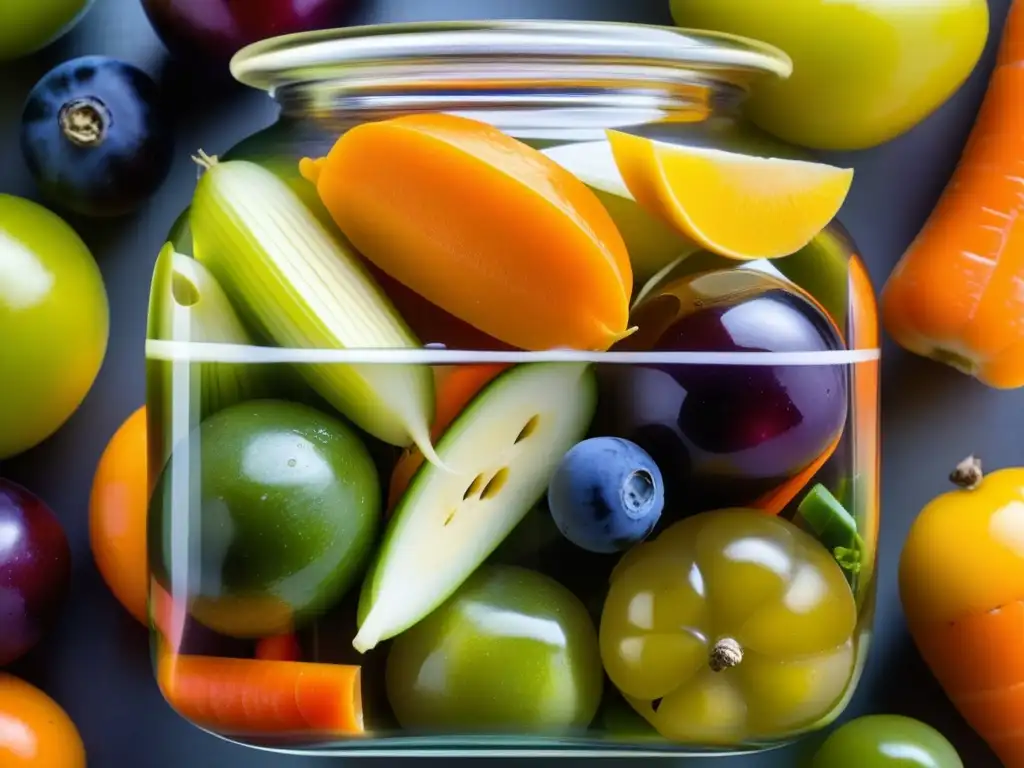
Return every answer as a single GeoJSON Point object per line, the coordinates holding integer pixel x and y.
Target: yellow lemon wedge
{"type": "Point", "coordinates": [736, 205]}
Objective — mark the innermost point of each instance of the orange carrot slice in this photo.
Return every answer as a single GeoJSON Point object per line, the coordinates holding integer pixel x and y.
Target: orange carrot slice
{"type": "Point", "coordinates": [865, 329]}
{"type": "Point", "coordinates": [776, 500]}
{"type": "Point", "coordinates": [483, 226]}
{"type": "Point", "coordinates": [455, 389]}
{"type": "Point", "coordinates": [246, 696]}
{"type": "Point", "coordinates": [279, 648]}
{"type": "Point", "coordinates": [865, 397]}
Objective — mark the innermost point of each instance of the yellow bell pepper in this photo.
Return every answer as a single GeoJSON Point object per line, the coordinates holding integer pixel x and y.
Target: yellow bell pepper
{"type": "Point", "coordinates": [732, 626]}
{"type": "Point", "coordinates": [961, 581]}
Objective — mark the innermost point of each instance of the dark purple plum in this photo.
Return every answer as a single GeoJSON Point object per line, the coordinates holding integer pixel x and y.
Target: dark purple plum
{"type": "Point", "coordinates": [35, 568]}
{"type": "Point", "coordinates": [96, 136]}
{"type": "Point", "coordinates": [214, 30]}
{"type": "Point", "coordinates": [725, 435]}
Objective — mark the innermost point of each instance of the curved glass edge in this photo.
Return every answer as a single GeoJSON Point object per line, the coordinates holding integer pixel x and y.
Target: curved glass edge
{"type": "Point", "coordinates": [325, 54]}
{"type": "Point", "coordinates": [481, 748]}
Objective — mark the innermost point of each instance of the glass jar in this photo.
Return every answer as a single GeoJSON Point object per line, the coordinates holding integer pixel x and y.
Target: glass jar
{"type": "Point", "coordinates": [663, 543]}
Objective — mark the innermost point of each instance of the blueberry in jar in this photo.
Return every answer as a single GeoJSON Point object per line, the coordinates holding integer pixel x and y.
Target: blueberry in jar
{"type": "Point", "coordinates": [95, 136]}
{"type": "Point", "coordinates": [606, 495]}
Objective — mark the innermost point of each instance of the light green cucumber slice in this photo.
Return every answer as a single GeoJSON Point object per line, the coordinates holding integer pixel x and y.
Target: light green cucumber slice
{"type": "Point", "coordinates": [651, 243]}
{"type": "Point", "coordinates": [303, 286]}
{"type": "Point", "coordinates": [501, 452]}
{"type": "Point", "coordinates": [187, 304]}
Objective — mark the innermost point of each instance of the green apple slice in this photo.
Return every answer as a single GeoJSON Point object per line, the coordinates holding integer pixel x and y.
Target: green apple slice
{"type": "Point", "coordinates": [501, 452]}
{"type": "Point", "coordinates": [651, 243]}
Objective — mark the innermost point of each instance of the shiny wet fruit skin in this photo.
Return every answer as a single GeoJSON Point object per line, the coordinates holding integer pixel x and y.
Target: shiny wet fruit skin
{"type": "Point", "coordinates": [214, 30]}
{"type": "Point", "coordinates": [118, 505]}
{"type": "Point", "coordinates": [54, 322]}
{"type": "Point", "coordinates": [886, 741]}
{"type": "Point", "coordinates": [729, 627]}
{"type": "Point", "coordinates": [96, 136]}
{"type": "Point", "coordinates": [35, 569]}
{"type": "Point", "coordinates": [864, 71]}
{"type": "Point", "coordinates": [724, 435]}
{"type": "Point", "coordinates": [512, 651]}
{"type": "Point", "coordinates": [37, 732]}
{"type": "Point", "coordinates": [606, 494]}
{"type": "Point", "coordinates": [27, 26]}
{"type": "Point", "coordinates": [289, 509]}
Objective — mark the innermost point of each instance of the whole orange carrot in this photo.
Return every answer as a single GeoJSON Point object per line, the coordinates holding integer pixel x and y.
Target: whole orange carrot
{"type": "Point", "coordinates": [957, 294]}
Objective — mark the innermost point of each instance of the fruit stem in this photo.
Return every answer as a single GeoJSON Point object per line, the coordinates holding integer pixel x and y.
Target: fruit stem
{"type": "Point", "coordinates": [968, 474]}
{"type": "Point", "coordinates": [311, 169]}
{"type": "Point", "coordinates": [204, 161]}
{"type": "Point", "coordinates": [725, 654]}
{"type": "Point", "coordinates": [85, 121]}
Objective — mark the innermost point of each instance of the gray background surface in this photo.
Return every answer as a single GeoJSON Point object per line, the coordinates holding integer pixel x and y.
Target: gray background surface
{"type": "Point", "coordinates": [96, 665]}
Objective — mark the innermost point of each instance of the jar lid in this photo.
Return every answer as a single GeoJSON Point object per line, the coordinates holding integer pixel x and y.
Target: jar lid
{"type": "Point", "coordinates": [357, 52]}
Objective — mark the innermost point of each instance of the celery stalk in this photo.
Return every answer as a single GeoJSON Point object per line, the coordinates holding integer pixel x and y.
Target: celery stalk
{"type": "Point", "coordinates": [303, 286]}
{"type": "Point", "coordinates": [180, 235]}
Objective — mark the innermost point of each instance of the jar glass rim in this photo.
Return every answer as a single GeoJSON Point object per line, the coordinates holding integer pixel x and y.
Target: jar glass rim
{"type": "Point", "coordinates": [330, 55]}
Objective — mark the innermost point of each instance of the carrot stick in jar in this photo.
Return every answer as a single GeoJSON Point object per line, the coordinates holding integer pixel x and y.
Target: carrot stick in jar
{"type": "Point", "coordinates": [246, 696]}
{"type": "Point", "coordinates": [279, 648]}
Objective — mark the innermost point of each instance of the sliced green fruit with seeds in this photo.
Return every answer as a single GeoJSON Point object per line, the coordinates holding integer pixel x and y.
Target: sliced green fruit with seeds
{"type": "Point", "coordinates": [651, 243]}
{"type": "Point", "coordinates": [187, 304]}
{"type": "Point", "coordinates": [501, 452]}
{"type": "Point", "coordinates": [304, 286]}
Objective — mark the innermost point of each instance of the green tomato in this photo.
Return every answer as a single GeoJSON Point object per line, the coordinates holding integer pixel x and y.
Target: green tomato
{"type": "Point", "coordinates": [886, 741]}
{"type": "Point", "coordinates": [864, 71]}
{"type": "Point", "coordinates": [28, 25]}
{"type": "Point", "coordinates": [279, 509]}
{"type": "Point", "coordinates": [512, 651]}
{"type": "Point", "coordinates": [54, 323]}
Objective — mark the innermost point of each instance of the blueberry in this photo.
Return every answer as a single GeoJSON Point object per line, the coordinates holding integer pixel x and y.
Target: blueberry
{"type": "Point", "coordinates": [606, 495]}
{"type": "Point", "coordinates": [95, 136]}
